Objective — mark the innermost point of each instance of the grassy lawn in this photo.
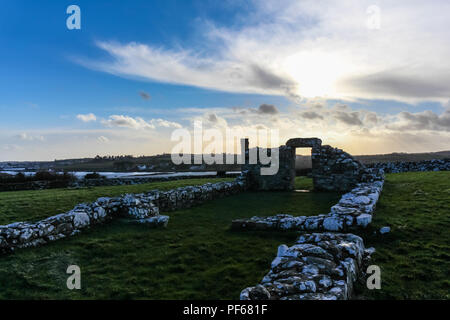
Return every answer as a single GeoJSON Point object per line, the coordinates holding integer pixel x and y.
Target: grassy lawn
{"type": "Point", "coordinates": [196, 257]}
{"type": "Point", "coordinates": [415, 256]}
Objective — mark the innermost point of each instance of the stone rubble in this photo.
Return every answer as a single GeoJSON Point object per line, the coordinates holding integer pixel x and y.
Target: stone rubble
{"type": "Point", "coordinates": [142, 208]}
{"type": "Point", "coordinates": [319, 266]}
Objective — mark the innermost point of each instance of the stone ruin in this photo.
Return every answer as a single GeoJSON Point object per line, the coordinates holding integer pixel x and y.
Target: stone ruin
{"type": "Point", "coordinates": [332, 169]}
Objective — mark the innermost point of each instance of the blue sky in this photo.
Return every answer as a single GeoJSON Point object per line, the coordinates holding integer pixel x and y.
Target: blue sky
{"type": "Point", "coordinates": [197, 58]}
{"type": "Point", "coordinates": [42, 79]}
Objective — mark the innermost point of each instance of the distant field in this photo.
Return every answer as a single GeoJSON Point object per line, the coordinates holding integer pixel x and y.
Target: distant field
{"type": "Point", "coordinates": [413, 157]}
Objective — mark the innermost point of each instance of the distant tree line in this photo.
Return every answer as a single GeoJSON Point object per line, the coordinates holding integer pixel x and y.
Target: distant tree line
{"type": "Point", "coordinates": [38, 176]}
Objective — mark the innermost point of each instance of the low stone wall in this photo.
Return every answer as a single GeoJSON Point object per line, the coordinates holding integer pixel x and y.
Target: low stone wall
{"type": "Point", "coordinates": [320, 266]}
{"type": "Point", "coordinates": [404, 166]}
{"type": "Point", "coordinates": [25, 234]}
{"type": "Point", "coordinates": [186, 197]}
{"type": "Point", "coordinates": [354, 210]}
{"type": "Point", "coordinates": [141, 208]}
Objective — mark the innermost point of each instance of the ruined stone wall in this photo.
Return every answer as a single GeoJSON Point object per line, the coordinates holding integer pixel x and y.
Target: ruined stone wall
{"type": "Point", "coordinates": [334, 169]}
{"type": "Point", "coordinates": [283, 180]}
{"type": "Point", "coordinates": [138, 208]}
{"type": "Point", "coordinates": [407, 166]}
{"type": "Point", "coordinates": [186, 197]}
{"type": "Point", "coordinates": [319, 266]}
{"type": "Point", "coordinates": [26, 234]}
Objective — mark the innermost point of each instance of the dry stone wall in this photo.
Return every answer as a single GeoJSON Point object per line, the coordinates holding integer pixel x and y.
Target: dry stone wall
{"type": "Point", "coordinates": [405, 166]}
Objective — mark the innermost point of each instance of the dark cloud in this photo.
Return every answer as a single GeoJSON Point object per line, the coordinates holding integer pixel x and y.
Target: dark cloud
{"type": "Point", "coordinates": [266, 79]}
{"type": "Point", "coordinates": [267, 109]}
{"type": "Point", "coordinates": [144, 95]}
{"type": "Point", "coordinates": [371, 118]}
{"type": "Point", "coordinates": [317, 106]}
{"type": "Point", "coordinates": [426, 120]}
{"type": "Point", "coordinates": [392, 83]}
{"type": "Point", "coordinates": [342, 107]}
{"type": "Point", "coordinates": [350, 118]}
{"type": "Point", "coordinates": [212, 118]}
{"type": "Point", "coordinates": [311, 115]}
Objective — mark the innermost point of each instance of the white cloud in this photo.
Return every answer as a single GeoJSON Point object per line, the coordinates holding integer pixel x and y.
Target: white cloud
{"type": "Point", "coordinates": [87, 117]}
{"type": "Point", "coordinates": [308, 48]}
{"type": "Point", "coordinates": [165, 123]}
{"type": "Point", "coordinates": [28, 137]}
{"type": "Point", "coordinates": [138, 122]}
{"type": "Point", "coordinates": [127, 122]}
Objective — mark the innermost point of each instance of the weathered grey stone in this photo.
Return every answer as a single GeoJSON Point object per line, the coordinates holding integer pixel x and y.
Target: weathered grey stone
{"type": "Point", "coordinates": [333, 224]}
{"type": "Point", "coordinates": [385, 229]}
{"type": "Point", "coordinates": [80, 219]}
{"type": "Point", "coordinates": [156, 221]}
{"type": "Point", "coordinates": [363, 219]}
{"type": "Point", "coordinates": [304, 142]}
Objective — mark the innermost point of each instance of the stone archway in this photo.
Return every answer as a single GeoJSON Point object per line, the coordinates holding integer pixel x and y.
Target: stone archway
{"type": "Point", "coordinates": [313, 143]}
{"type": "Point", "coordinates": [332, 169]}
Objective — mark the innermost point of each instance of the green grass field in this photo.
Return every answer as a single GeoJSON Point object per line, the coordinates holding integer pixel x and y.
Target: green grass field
{"type": "Point", "coordinates": [415, 256]}
{"type": "Point", "coordinates": [199, 257]}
